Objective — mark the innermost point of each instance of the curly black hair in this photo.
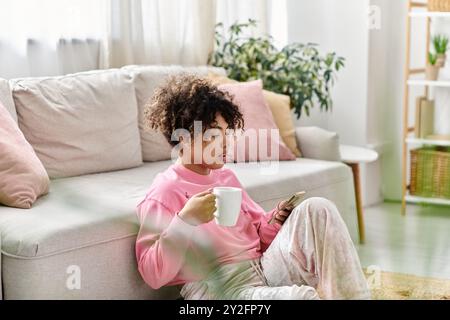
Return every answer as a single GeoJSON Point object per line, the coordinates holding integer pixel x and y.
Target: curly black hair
{"type": "Point", "coordinates": [186, 98]}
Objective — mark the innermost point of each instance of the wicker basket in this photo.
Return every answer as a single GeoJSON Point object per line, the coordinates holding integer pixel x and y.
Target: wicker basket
{"type": "Point", "coordinates": [439, 5]}
{"type": "Point", "coordinates": [430, 172]}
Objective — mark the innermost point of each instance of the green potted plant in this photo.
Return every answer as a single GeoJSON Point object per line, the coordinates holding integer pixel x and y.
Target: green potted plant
{"type": "Point", "coordinates": [440, 43]}
{"type": "Point", "coordinates": [432, 70]}
{"type": "Point", "coordinates": [297, 70]}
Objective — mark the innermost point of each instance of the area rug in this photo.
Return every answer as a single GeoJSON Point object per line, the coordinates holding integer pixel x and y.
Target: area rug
{"type": "Point", "coordinates": [397, 286]}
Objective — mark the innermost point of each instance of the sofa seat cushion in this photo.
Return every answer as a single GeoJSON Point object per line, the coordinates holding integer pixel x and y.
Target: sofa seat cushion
{"type": "Point", "coordinates": [93, 209]}
{"type": "Point", "coordinates": [265, 184]}
{"type": "Point", "coordinates": [78, 211]}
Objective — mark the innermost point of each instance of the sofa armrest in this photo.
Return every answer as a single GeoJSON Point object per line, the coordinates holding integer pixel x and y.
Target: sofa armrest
{"type": "Point", "coordinates": [317, 143]}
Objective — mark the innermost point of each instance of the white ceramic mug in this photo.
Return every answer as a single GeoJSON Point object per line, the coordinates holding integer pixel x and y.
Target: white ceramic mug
{"type": "Point", "coordinates": [228, 203]}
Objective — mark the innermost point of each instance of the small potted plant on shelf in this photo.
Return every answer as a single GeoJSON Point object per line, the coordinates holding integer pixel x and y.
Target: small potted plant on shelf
{"type": "Point", "coordinates": [440, 43]}
{"type": "Point", "coordinates": [432, 71]}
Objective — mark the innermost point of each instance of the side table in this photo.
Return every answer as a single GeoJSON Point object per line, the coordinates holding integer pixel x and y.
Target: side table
{"type": "Point", "coordinates": [353, 156]}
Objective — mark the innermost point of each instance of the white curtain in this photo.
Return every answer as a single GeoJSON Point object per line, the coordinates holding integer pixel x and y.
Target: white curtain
{"type": "Point", "coordinates": [51, 37]}
{"type": "Point", "coordinates": [270, 14]}
{"type": "Point", "coordinates": [160, 32]}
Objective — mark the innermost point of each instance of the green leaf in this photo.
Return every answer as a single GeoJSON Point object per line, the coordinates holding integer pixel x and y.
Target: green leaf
{"type": "Point", "coordinates": [440, 43]}
{"type": "Point", "coordinates": [298, 70]}
{"type": "Point", "coordinates": [432, 58]}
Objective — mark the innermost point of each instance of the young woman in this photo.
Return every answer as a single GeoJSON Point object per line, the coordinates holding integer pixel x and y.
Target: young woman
{"type": "Point", "coordinates": [306, 253]}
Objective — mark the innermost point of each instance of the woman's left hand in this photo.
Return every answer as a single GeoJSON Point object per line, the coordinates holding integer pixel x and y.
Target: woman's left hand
{"type": "Point", "coordinates": [280, 216]}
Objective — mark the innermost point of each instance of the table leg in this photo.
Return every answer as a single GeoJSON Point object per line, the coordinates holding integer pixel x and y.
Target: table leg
{"type": "Point", "coordinates": [359, 209]}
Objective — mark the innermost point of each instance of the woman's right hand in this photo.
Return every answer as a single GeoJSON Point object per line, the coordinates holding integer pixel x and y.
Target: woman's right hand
{"type": "Point", "coordinates": [199, 208]}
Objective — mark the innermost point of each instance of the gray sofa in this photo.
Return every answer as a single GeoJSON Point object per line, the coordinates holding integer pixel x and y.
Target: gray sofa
{"type": "Point", "coordinates": [77, 242]}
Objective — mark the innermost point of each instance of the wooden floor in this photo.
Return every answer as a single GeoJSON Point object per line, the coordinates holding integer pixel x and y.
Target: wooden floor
{"type": "Point", "coordinates": [418, 243]}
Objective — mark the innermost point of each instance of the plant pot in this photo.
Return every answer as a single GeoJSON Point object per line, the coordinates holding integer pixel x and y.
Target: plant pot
{"type": "Point", "coordinates": [432, 72]}
{"type": "Point", "coordinates": [441, 58]}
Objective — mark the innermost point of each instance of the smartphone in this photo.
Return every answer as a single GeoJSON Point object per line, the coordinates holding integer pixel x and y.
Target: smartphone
{"type": "Point", "coordinates": [292, 202]}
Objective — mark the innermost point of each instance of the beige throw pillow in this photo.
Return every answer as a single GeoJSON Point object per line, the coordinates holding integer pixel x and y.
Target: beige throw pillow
{"type": "Point", "coordinates": [81, 123]}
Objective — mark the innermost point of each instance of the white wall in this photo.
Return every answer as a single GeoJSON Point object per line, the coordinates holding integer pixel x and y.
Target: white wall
{"type": "Point", "coordinates": [385, 95]}
{"type": "Point", "coordinates": [342, 26]}
{"type": "Point", "coordinates": [369, 93]}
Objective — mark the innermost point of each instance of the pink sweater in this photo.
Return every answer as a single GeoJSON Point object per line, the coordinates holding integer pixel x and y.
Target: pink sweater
{"type": "Point", "coordinates": [170, 251]}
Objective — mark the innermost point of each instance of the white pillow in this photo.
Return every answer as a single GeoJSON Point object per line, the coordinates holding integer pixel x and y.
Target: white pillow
{"type": "Point", "coordinates": [81, 123]}
{"type": "Point", "coordinates": [146, 79]}
{"type": "Point", "coordinates": [317, 143]}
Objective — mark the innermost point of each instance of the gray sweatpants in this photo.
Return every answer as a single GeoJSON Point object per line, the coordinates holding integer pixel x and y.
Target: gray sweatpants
{"type": "Point", "coordinates": [311, 257]}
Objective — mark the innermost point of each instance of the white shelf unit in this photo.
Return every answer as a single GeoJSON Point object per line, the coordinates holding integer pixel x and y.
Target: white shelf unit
{"type": "Point", "coordinates": [428, 83]}
{"type": "Point", "coordinates": [438, 201]}
{"type": "Point", "coordinates": [418, 10]}
{"type": "Point", "coordinates": [429, 14]}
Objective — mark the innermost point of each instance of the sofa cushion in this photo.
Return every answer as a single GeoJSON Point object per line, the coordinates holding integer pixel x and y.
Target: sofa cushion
{"type": "Point", "coordinates": [22, 176]}
{"type": "Point", "coordinates": [146, 79]}
{"type": "Point", "coordinates": [6, 98]}
{"type": "Point", "coordinates": [318, 143]}
{"type": "Point", "coordinates": [81, 123]}
{"type": "Point", "coordinates": [254, 145]}
{"type": "Point", "coordinates": [280, 106]}
{"type": "Point", "coordinates": [88, 210]}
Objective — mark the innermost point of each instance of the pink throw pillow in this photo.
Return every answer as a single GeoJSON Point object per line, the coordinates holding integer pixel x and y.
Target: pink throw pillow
{"type": "Point", "coordinates": [22, 176]}
{"type": "Point", "coordinates": [257, 115]}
